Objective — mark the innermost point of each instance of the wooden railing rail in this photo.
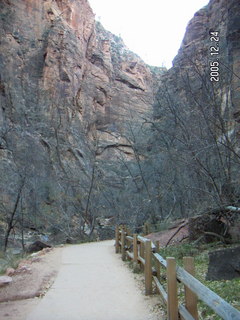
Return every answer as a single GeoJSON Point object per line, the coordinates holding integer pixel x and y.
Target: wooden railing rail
{"type": "Point", "coordinates": [219, 305]}
{"type": "Point", "coordinates": [145, 253]}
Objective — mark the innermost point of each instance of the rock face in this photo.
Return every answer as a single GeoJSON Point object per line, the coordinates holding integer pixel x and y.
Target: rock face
{"type": "Point", "coordinates": [196, 115]}
{"type": "Point", "coordinates": [216, 25]}
{"type": "Point", "coordinates": [69, 93]}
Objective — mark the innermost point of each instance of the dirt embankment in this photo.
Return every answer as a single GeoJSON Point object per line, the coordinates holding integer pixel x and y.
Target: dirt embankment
{"type": "Point", "coordinates": [32, 279]}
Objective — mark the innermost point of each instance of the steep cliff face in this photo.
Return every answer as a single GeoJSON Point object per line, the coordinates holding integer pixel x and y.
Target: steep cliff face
{"type": "Point", "coordinates": [197, 113]}
{"type": "Point", "coordinates": [57, 56]}
{"type": "Point", "coordinates": [213, 36]}
{"type": "Point", "coordinates": [69, 94]}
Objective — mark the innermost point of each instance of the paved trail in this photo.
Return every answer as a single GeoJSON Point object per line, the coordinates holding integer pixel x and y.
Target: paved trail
{"type": "Point", "coordinates": [93, 284]}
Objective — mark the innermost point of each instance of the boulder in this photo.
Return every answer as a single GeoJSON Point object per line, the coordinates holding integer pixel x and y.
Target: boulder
{"type": "Point", "coordinates": [5, 280]}
{"type": "Point", "coordinates": [10, 272]}
{"type": "Point", "coordinates": [23, 269]}
{"type": "Point", "coordinates": [224, 264]}
{"type": "Point", "coordinates": [37, 246]}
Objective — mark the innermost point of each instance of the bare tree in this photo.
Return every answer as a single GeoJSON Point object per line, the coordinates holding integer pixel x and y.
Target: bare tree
{"type": "Point", "coordinates": [11, 220]}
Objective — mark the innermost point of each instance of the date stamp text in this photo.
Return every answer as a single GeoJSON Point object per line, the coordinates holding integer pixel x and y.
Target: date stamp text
{"type": "Point", "coordinates": [214, 56]}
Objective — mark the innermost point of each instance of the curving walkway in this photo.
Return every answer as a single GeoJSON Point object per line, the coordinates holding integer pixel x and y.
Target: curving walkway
{"type": "Point", "coordinates": [93, 284]}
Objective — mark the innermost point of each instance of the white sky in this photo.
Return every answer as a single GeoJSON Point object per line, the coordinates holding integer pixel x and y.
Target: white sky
{"type": "Point", "coordinates": [152, 29]}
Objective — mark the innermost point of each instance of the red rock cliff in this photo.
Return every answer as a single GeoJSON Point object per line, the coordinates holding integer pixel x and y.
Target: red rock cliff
{"type": "Point", "coordinates": [70, 92]}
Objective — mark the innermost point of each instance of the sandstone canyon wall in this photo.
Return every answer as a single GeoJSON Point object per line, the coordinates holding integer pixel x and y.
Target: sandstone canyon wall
{"type": "Point", "coordinates": [197, 114]}
{"type": "Point", "coordinates": [69, 93]}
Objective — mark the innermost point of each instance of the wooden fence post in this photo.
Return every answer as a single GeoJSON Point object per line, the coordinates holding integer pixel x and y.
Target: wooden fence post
{"type": "Point", "coordinates": [128, 231]}
{"type": "Point", "coordinates": [146, 228]}
{"type": "Point", "coordinates": [172, 299]}
{"type": "Point", "coordinates": [117, 240]}
{"type": "Point", "coordinates": [123, 240]}
{"type": "Point", "coordinates": [158, 267]}
{"type": "Point", "coordinates": [135, 253]}
{"type": "Point", "coordinates": [135, 248]}
{"type": "Point", "coordinates": [148, 267]}
{"type": "Point", "coordinates": [142, 254]}
{"type": "Point", "coordinates": [190, 297]}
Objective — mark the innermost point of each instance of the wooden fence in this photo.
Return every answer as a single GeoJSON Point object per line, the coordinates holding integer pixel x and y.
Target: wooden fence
{"type": "Point", "coordinates": [142, 251]}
